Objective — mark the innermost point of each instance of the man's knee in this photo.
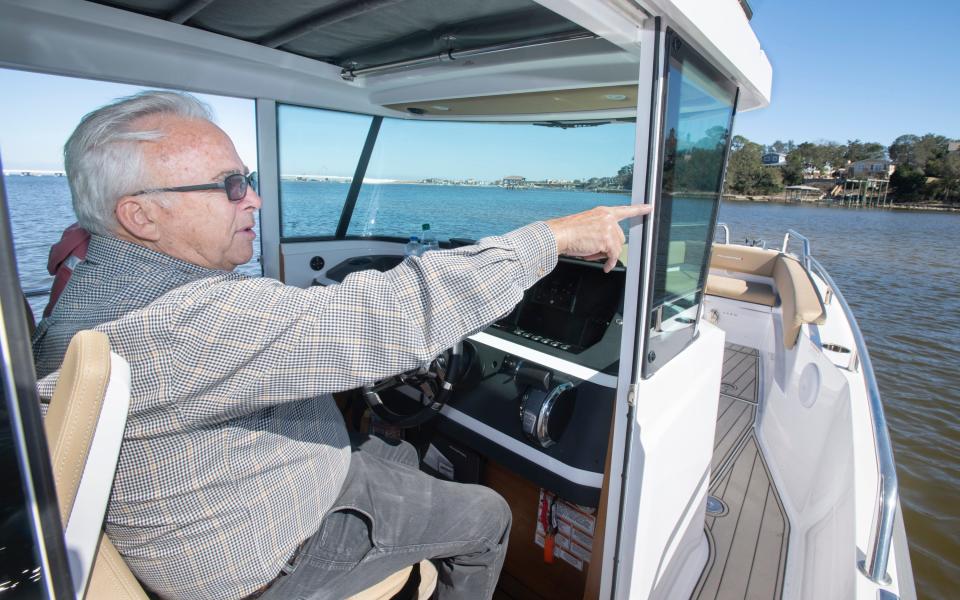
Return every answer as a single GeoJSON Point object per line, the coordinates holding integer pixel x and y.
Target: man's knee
{"type": "Point", "coordinates": [496, 512]}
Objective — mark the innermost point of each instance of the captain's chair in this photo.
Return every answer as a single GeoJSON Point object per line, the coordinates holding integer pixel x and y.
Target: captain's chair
{"type": "Point", "coordinates": [84, 426]}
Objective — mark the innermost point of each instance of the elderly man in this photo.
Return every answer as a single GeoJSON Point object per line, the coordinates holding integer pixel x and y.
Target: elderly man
{"type": "Point", "coordinates": [236, 477]}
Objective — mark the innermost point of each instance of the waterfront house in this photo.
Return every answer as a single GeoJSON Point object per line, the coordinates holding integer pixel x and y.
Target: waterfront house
{"type": "Point", "coordinates": [774, 159]}
{"type": "Point", "coordinates": [875, 168]}
{"type": "Point", "coordinates": [512, 181]}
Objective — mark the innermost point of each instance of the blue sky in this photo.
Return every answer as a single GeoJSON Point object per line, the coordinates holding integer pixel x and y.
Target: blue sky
{"type": "Point", "coordinates": [417, 149]}
{"type": "Point", "coordinates": [842, 70]}
{"type": "Point", "coordinates": [38, 113]}
{"type": "Point", "coordinates": [871, 70]}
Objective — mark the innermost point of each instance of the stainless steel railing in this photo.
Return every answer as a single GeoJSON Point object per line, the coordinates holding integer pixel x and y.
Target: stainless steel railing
{"type": "Point", "coordinates": [805, 255]}
{"type": "Point", "coordinates": [36, 292]}
{"type": "Point", "coordinates": [726, 232]}
{"type": "Point", "coordinates": [874, 565]}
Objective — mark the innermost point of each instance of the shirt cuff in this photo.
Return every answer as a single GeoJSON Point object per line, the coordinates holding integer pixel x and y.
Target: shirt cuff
{"type": "Point", "coordinates": [536, 249]}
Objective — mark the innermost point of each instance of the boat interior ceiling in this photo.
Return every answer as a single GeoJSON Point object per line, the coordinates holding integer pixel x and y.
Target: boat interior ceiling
{"type": "Point", "coordinates": [423, 39]}
{"type": "Point", "coordinates": [359, 35]}
{"type": "Point", "coordinates": [497, 60]}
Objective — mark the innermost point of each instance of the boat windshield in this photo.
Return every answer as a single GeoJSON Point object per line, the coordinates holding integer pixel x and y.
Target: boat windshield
{"type": "Point", "coordinates": [467, 180]}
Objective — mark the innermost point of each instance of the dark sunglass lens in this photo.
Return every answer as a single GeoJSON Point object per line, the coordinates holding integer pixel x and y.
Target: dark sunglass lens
{"type": "Point", "coordinates": [236, 187]}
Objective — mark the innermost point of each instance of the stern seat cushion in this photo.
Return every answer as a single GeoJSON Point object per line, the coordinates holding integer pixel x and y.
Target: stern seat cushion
{"type": "Point", "coordinates": [738, 289]}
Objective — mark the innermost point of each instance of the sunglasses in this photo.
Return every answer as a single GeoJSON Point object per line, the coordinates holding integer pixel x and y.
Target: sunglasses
{"type": "Point", "coordinates": [234, 185]}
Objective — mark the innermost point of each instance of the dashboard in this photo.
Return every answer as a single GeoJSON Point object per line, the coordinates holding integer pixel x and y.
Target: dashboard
{"type": "Point", "coordinates": [538, 393]}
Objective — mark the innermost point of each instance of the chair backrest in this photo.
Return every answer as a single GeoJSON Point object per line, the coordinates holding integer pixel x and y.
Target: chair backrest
{"type": "Point", "coordinates": [84, 426]}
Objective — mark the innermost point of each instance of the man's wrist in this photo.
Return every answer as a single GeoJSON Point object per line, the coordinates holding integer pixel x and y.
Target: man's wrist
{"type": "Point", "coordinates": [536, 248]}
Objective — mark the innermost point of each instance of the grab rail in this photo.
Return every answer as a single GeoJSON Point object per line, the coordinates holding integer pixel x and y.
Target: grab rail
{"type": "Point", "coordinates": [726, 232]}
{"type": "Point", "coordinates": [874, 566]}
{"type": "Point", "coordinates": [36, 292]}
{"type": "Point", "coordinates": [805, 256]}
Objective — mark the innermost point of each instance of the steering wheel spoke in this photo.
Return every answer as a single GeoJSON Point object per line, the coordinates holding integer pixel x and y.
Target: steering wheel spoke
{"type": "Point", "coordinates": [434, 383]}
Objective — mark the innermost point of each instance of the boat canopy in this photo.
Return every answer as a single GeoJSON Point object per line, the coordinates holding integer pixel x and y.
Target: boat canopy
{"type": "Point", "coordinates": [384, 57]}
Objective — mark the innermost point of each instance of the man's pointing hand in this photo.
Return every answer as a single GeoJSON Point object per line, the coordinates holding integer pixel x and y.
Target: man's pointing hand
{"type": "Point", "coordinates": [595, 233]}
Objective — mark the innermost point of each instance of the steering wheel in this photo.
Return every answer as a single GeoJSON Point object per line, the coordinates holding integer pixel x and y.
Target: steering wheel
{"type": "Point", "coordinates": [434, 382]}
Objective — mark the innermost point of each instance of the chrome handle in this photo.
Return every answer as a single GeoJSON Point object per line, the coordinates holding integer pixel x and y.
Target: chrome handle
{"type": "Point", "coordinates": [805, 255]}
{"type": "Point", "coordinates": [726, 232]}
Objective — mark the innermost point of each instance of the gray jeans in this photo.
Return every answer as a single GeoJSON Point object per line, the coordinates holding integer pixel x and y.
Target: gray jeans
{"type": "Point", "coordinates": [390, 515]}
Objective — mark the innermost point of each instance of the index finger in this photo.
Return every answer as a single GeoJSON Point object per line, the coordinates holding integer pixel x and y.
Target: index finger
{"type": "Point", "coordinates": [636, 210]}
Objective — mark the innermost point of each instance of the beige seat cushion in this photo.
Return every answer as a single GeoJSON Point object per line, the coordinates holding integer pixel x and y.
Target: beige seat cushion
{"type": "Point", "coordinates": [74, 410]}
{"type": "Point", "coordinates": [389, 587]}
{"type": "Point", "coordinates": [799, 301]}
{"type": "Point", "coordinates": [111, 578]}
{"type": "Point", "coordinates": [743, 259]}
{"type": "Point", "coordinates": [70, 424]}
{"type": "Point", "coordinates": [738, 289]}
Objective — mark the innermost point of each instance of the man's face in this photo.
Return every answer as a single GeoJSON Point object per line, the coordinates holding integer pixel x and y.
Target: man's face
{"type": "Point", "coordinates": [202, 227]}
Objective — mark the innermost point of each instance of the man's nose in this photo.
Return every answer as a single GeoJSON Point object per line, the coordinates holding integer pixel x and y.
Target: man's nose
{"type": "Point", "coordinates": [252, 199]}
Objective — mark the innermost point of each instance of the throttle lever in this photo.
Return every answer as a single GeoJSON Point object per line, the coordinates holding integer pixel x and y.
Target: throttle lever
{"type": "Point", "coordinates": [533, 377]}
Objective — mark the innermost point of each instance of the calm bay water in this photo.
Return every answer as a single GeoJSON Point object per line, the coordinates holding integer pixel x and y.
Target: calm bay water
{"type": "Point", "coordinates": [899, 271]}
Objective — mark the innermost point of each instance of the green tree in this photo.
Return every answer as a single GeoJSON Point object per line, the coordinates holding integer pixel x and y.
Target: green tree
{"type": "Point", "coordinates": [738, 142]}
{"type": "Point", "coordinates": [768, 181]}
{"type": "Point", "coordinates": [624, 177]}
{"type": "Point", "coordinates": [746, 173]}
{"type": "Point", "coordinates": [907, 184]}
{"type": "Point", "coordinates": [903, 151]}
{"type": "Point", "coordinates": [950, 178]}
{"type": "Point", "coordinates": [792, 171]}
{"type": "Point", "coordinates": [834, 154]}
{"type": "Point", "coordinates": [857, 150]}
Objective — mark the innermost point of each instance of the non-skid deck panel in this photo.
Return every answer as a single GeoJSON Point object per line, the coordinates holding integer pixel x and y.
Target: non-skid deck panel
{"type": "Point", "coordinates": [748, 542]}
{"type": "Point", "coordinates": [740, 371]}
{"type": "Point", "coordinates": [734, 423]}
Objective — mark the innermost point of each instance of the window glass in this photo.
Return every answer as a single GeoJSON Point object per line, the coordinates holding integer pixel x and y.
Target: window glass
{"type": "Point", "coordinates": [37, 114]}
{"type": "Point", "coordinates": [470, 180]}
{"type": "Point", "coordinates": [19, 562]}
{"type": "Point", "coordinates": [319, 151]}
{"type": "Point", "coordinates": [696, 134]}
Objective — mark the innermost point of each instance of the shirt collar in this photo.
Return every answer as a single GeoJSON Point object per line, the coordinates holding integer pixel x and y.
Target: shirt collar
{"type": "Point", "coordinates": [114, 252]}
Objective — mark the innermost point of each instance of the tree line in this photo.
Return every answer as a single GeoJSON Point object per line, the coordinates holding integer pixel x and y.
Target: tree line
{"type": "Point", "coordinates": [925, 167]}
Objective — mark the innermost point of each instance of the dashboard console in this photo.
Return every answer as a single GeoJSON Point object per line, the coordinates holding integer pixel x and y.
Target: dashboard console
{"type": "Point", "coordinates": [539, 392]}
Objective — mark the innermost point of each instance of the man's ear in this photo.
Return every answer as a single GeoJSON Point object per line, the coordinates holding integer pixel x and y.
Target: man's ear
{"type": "Point", "coordinates": [137, 218]}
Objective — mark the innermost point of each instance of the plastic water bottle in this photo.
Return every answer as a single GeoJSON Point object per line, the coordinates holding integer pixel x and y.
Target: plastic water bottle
{"type": "Point", "coordinates": [428, 241]}
{"type": "Point", "coordinates": [413, 247]}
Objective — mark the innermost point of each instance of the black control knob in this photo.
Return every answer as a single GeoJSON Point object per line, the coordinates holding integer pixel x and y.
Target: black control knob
{"type": "Point", "coordinates": [533, 376]}
{"type": "Point", "coordinates": [544, 415]}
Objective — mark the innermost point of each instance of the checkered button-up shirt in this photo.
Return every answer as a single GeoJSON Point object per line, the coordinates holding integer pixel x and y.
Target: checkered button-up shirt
{"type": "Point", "coordinates": [234, 448]}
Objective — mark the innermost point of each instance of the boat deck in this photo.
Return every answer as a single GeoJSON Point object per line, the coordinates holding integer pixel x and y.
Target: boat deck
{"type": "Point", "coordinates": [748, 535]}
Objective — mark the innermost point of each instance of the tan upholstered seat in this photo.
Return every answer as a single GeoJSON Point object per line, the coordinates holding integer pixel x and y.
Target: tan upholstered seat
{"type": "Point", "coordinates": [390, 586]}
{"type": "Point", "coordinates": [70, 424]}
{"type": "Point", "coordinates": [743, 259]}
{"type": "Point", "coordinates": [738, 289]}
{"type": "Point", "coordinates": [800, 303]}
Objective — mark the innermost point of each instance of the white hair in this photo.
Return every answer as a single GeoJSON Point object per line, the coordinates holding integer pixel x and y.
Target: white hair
{"type": "Point", "coordinates": [104, 157]}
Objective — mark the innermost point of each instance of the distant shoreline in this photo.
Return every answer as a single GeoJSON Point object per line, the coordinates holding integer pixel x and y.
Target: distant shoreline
{"type": "Point", "coordinates": [831, 204]}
